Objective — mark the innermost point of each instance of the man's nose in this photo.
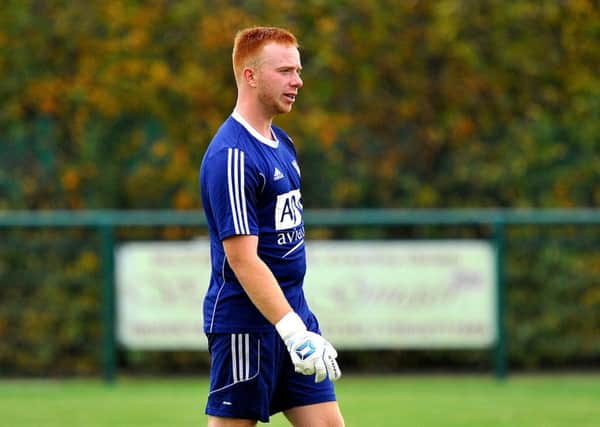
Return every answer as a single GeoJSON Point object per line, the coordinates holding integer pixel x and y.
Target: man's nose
{"type": "Point", "coordinates": [298, 81]}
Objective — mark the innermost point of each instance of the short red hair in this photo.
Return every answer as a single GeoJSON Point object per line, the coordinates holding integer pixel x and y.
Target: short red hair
{"type": "Point", "coordinates": [249, 42]}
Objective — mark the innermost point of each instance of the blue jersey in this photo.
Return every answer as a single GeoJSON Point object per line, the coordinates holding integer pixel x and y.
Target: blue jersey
{"type": "Point", "coordinates": [250, 185]}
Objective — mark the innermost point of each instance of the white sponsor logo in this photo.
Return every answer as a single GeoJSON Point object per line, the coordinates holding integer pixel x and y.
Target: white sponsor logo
{"type": "Point", "coordinates": [288, 210]}
{"type": "Point", "coordinates": [291, 236]}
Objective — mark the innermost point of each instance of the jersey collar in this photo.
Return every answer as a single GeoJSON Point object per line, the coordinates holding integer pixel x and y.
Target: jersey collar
{"type": "Point", "coordinates": [238, 117]}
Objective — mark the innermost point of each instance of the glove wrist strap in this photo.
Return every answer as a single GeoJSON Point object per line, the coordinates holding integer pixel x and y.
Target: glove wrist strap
{"type": "Point", "coordinates": [289, 325]}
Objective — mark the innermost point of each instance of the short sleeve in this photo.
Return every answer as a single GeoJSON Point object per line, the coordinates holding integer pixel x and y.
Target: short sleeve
{"type": "Point", "coordinates": [231, 182]}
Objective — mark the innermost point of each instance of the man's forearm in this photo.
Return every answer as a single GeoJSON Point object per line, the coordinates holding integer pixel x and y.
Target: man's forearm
{"type": "Point", "coordinates": [256, 278]}
{"type": "Point", "coordinates": [263, 289]}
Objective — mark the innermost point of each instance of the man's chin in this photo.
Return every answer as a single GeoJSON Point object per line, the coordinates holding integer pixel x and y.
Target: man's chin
{"type": "Point", "coordinates": [285, 108]}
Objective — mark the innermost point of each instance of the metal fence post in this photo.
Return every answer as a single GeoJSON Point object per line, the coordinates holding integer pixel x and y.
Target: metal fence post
{"type": "Point", "coordinates": [108, 303]}
{"type": "Point", "coordinates": [500, 345]}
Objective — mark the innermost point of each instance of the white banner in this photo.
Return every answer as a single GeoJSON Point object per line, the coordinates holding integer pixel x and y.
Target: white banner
{"type": "Point", "coordinates": [159, 292]}
{"type": "Point", "coordinates": [403, 294]}
{"type": "Point", "coordinates": [366, 294]}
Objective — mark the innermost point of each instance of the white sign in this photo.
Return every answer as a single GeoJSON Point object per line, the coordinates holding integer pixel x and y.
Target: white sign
{"type": "Point", "coordinates": [366, 294]}
{"type": "Point", "coordinates": [160, 287]}
{"type": "Point", "coordinates": [403, 294]}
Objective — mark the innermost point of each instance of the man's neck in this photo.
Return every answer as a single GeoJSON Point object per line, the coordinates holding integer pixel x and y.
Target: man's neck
{"type": "Point", "coordinates": [255, 119]}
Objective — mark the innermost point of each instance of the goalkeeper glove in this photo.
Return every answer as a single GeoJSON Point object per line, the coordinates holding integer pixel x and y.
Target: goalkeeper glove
{"type": "Point", "coordinates": [310, 352]}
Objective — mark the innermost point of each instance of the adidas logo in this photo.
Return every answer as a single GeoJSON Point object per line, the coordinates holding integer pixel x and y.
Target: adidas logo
{"type": "Point", "coordinates": [277, 175]}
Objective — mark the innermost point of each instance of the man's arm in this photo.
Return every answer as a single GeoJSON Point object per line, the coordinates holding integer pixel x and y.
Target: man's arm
{"type": "Point", "coordinates": [310, 353]}
{"type": "Point", "coordinates": [256, 278]}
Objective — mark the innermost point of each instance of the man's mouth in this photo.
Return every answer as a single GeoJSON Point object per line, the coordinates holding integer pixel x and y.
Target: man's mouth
{"type": "Point", "coordinates": [290, 96]}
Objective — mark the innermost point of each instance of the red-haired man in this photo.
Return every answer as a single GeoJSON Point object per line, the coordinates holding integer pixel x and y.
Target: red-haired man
{"type": "Point", "coordinates": [267, 352]}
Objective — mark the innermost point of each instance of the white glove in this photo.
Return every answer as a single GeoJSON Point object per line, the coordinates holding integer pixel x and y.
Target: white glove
{"type": "Point", "coordinates": [310, 352]}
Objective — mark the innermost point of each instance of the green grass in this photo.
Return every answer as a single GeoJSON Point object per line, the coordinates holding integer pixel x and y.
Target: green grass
{"type": "Point", "coordinates": [440, 401]}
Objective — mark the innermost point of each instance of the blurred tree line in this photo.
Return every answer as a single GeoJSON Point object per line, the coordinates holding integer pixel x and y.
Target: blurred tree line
{"type": "Point", "coordinates": [110, 104]}
{"type": "Point", "coordinates": [411, 104]}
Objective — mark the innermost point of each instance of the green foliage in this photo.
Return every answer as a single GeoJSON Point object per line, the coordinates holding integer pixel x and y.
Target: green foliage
{"type": "Point", "coordinates": [451, 103]}
{"type": "Point", "coordinates": [554, 298]}
{"type": "Point", "coordinates": [49, 302]}
{"type": "Point", "coordinates": [410, 104]}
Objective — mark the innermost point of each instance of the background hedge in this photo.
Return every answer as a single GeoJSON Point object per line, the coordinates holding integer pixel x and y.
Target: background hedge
{"type": "Point", "coordinates": [411, 104]}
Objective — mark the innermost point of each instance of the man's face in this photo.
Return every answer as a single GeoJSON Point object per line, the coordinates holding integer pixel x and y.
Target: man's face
{"type": "Point", "coordinates": [278, 77]}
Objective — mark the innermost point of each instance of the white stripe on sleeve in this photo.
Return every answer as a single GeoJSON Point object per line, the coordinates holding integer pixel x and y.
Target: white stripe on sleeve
{"type": "Point", "coordinates": [235, 186]}
{"type": "Point", "coordinates": [230, 187]}
{"type": "Point", "coordinates": [244, 213]}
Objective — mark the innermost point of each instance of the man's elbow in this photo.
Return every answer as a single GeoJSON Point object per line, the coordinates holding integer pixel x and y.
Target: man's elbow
{"type": "Point", "coordinates": [241, 251]}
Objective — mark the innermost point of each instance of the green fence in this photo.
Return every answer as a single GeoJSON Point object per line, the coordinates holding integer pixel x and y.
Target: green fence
{"type": "Point", "coordinates": [493, 222]}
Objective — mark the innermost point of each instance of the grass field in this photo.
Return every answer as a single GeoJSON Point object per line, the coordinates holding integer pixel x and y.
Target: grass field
{"type": "Point", "coordinates": [440, 401]}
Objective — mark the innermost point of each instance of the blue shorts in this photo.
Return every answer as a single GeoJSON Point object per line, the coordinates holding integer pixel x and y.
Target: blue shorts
{"type": "Point", "coordinates": [252, 377]}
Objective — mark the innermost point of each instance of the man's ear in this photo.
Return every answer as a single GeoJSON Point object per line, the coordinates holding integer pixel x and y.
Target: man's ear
{"type": "Point", "coordinates": [250, 76]}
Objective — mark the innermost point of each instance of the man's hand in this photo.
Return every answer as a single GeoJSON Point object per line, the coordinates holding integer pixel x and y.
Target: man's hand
{"type": "Point", "coordinates": [313, 354]}
{"type": "Point", "coordinates": [310, 352]}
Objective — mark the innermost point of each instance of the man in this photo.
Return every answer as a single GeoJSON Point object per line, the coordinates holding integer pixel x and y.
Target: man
{"type": "Point", "coordinates": [267, 355]}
